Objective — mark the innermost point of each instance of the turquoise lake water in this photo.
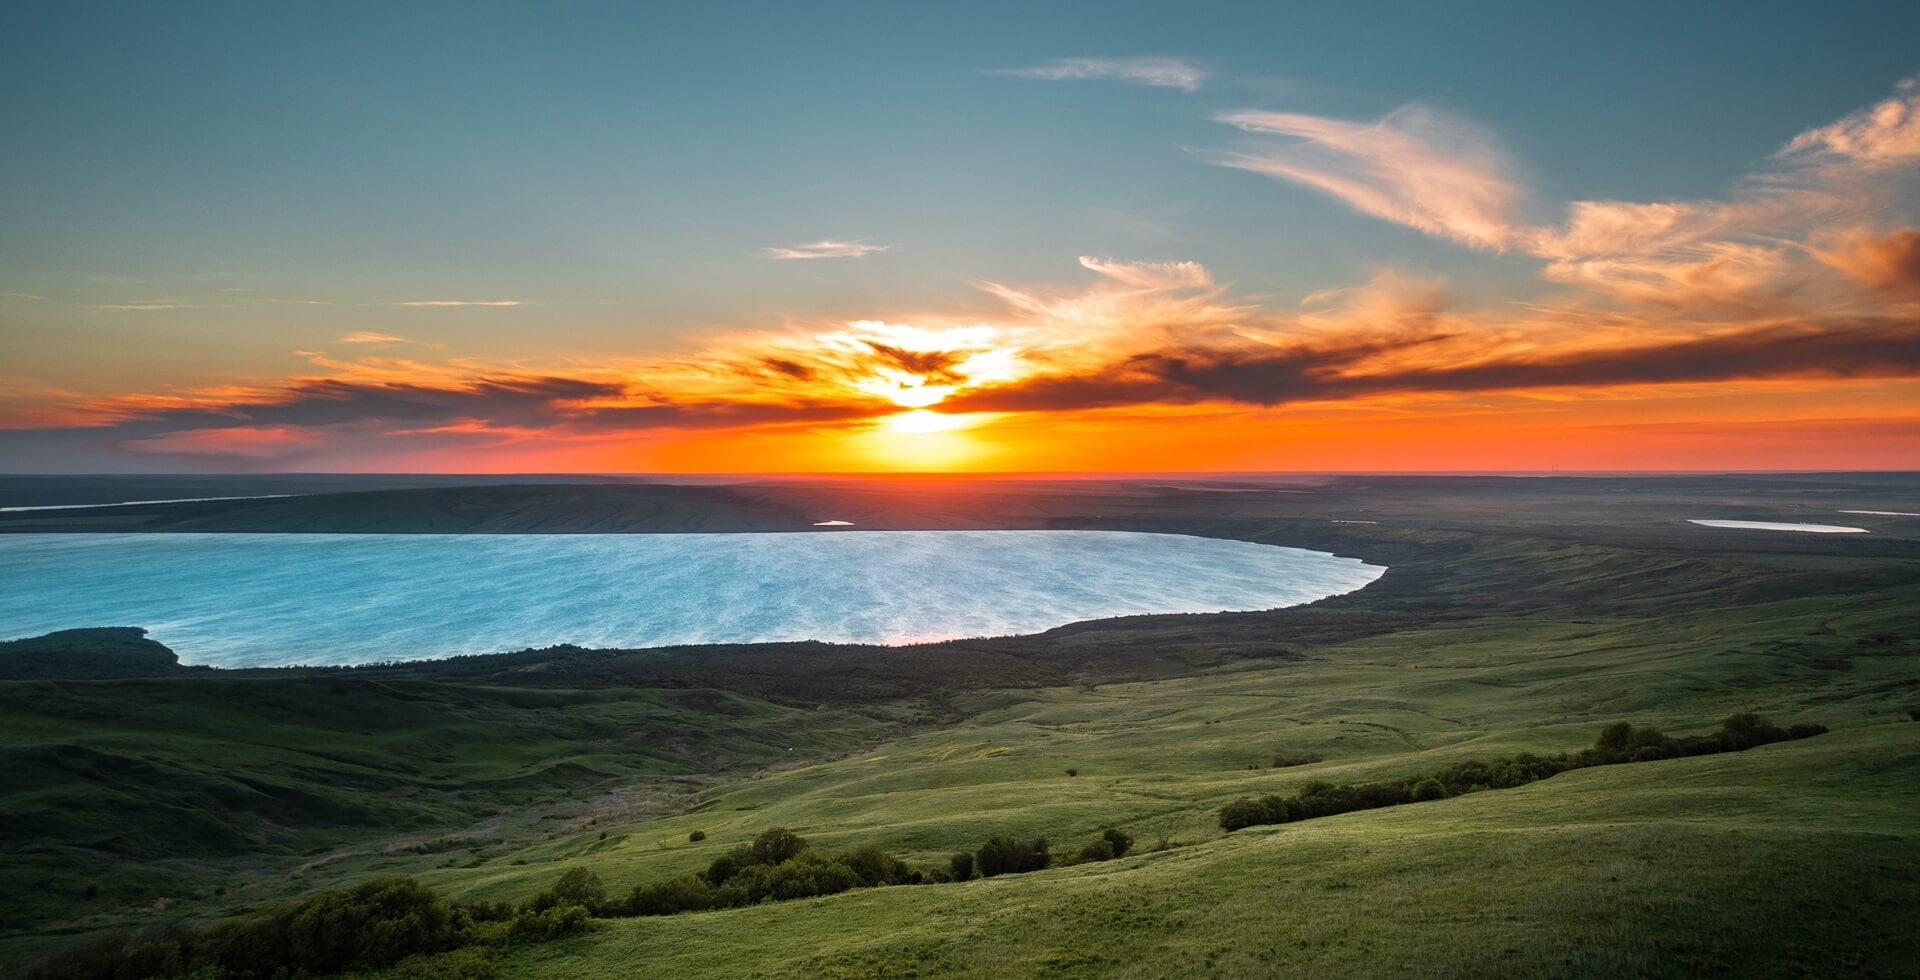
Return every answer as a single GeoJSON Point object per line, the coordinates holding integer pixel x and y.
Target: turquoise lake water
{"type": "Point", "coordinates": [267, 599]}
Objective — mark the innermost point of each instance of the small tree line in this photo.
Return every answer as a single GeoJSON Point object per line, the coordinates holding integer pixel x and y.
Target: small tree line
{"type": "Point", "coordinates": [780, 865]}
{"type": "Point", "coordinates": [1617, 743]}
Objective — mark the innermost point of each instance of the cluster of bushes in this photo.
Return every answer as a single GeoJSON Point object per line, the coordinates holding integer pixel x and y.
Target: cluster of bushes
{"type": "Point", "coordinates": [1617, 743]}
{"type": "Point", "coordinates": [369, 926]}
{"type": "Point", "coordinates": [1012, 856]}
{"type": "Point", "coordinates": [777, 866]}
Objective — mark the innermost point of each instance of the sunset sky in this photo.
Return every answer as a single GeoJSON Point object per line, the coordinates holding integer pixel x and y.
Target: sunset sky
{"type": "Point", "coordinates": [996, 237]}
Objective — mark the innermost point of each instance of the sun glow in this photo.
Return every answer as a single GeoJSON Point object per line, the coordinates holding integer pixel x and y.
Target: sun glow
{"type": "Point", "coordinates": [921, 420]}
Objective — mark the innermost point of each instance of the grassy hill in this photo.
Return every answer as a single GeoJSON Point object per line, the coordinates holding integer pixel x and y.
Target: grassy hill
{"type": "Point", "coordinates": [1500, 628]}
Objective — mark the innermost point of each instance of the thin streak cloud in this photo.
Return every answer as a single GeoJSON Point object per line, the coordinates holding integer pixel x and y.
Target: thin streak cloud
{"type": "Point", "coordinates": [460, 302]}
{"type": "Point", "coordinates": [826, 249]}
{"type": "Point", "coordinates": [1153, 72]}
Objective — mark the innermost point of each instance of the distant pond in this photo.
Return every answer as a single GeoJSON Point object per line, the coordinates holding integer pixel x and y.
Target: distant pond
{"type": "Point", "coordinates": [247, 600]}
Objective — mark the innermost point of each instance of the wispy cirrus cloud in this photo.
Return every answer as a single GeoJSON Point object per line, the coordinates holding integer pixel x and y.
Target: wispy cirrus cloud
{"type": "Point", "coordinates": [146, 307]}
{"type": "Point", "coordinates": [824, 249]}
{"type": "Point", "coordinates": [1885, 133]}
{"type": "Point", "coordinates": [1445, 177]}
{"type": "Point", "coordinates": [1151, 275]}
{"type": "Point", "coordinates": [459, 302]}
{"type": "Point", "coordinates": [372, 337]}
{"type": "Point", "coordinates": [1154, 72]}
{"type": "Point", "coordinates": [1417, 167]}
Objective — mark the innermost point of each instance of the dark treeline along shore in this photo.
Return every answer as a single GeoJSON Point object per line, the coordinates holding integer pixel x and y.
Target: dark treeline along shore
{"type": "Point", "coordinates": [144, 803]}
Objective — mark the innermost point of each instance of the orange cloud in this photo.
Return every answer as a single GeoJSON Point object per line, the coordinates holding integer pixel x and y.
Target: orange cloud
{"type": "Point", "coordinates": [1889, 262]}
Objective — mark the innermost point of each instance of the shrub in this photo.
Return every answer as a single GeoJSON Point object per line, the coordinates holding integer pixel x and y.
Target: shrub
{"type": "Point", "coordinates": [1100, 850]}
{"type": "Point", "coordinates": [1007, 855]}
{"type": "Point", "coordinates": [727, 865]}
{"type": "Point", "coordinates": [1428, 789]}
{"type": "Point", "coordinates": [1243, 813]}
{"type": "Point", "coordinates": [371, 925]}
{"type": "Point", "coordinates": [1122, 842]}
{"type": "Point", "coordinates": [776, 845]}
{"type": "Point", "coordinates": [802, 876]}
{"type": "Point", "coordinates": [687, 893]}
{"type": "Point", "coordinates": [1073, 772]}
{"type": "Point", "coordinates": [697, 836]}
{"type": "Point", "coordinates": [579, 887]}
{"type": "Point", "coordinates": [960, 866]}
{"type": "Point", "coordinates": [1289, 761]}
{"type": "Point", "coordinates": [876, 867]}
{"type": "Point", "coordinates": [560, 920]}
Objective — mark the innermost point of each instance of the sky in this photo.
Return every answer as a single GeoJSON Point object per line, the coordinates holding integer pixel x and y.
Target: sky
{"type": "Point", "coordinates": [850, 237]}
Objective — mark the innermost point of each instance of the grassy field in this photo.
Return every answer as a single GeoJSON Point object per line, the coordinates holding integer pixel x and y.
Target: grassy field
{"type": "Point", "coordinates": [1515, 618]}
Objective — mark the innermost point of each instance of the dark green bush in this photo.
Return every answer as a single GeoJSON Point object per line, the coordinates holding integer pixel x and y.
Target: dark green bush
{"type": "Point", "coordinates": [1100, 850]}
{"type": "Point", "coordinates": [960, 866]}
{"type": "Point", "coordinates": [687, 893]}
{"type": "Point", "coordinates": [1428, 789]}
{"type": "Point", "coordinates": [876, 867]}
{"type": "Point", "coordinates": [579, 887]}
{"type": "Point", "coordinates": [1122, 842]}
{"type": "Point", "coordinates": [534, 927]}
{"type": "Point", "coordinates": [1245, 813]}
{"type": "Point", "coordinates": [727, 865]}
{"type": "Point", "coordinates": [1303, 759]}
{"type": "Point", "coordinates": [1008, 855]}
{"type": "Point", "coordinates": [805, 875]}
{"type": "Point", "coordinates": [776, 845]}
{"type": "Point", "coordinates": [697, 836]}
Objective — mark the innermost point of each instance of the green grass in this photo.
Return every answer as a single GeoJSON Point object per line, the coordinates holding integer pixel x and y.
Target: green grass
{"type": "Point", "coordinates": [1499, 629]}
{"type": "Point", "coordinates": [1793, 859]}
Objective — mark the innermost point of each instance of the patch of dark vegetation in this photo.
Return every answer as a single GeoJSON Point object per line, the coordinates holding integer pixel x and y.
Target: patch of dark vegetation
{"type": "Point", "coordinates": [370, 926]}
{"type": "Point", "coordinates": [87, 654]}
{"type": "Point", "coordinates": [1617, 743]}
{"type": "Point", "coordinates": [1111, 844]}
{"type": "Point", "coordinates": [777, 866]}
{"type": "Point", "coordinates": [1284, 761]}
{"type": "Point", "coordinates": [1013, 855]}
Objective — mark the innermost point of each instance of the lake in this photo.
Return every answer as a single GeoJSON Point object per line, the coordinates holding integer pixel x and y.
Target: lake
{"type": "Point", "coordinates": [246, 600]}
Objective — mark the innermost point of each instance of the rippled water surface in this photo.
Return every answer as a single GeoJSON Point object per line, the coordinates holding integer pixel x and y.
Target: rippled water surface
{"type": "Point", "coordinates": [262, 599]}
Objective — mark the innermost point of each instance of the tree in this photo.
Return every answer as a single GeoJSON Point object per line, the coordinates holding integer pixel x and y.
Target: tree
{"type": "Point", "coordinates": [1122, 842]}
{"type": "Point", "coordinates": [580, 887]}
{"type": "Point", "coordinates": [877, 867]}
{"type": "Point", "coordinates": [961, 866]}
{"type": "Point", "coordinates": [1428, 789]}
{"type": "Point", "coordinates": [776, 845]}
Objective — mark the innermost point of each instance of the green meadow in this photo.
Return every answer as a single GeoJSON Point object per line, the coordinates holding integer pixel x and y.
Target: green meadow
{"type": "Point", "coordinates": [1503, 627]}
